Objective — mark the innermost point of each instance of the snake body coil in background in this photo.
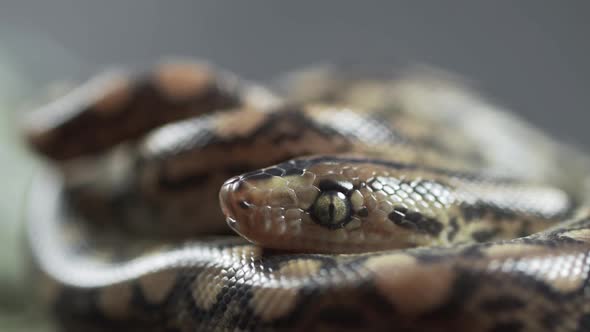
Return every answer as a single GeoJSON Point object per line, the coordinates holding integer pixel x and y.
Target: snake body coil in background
{"type": "Point", "coordinates": [398, 204]}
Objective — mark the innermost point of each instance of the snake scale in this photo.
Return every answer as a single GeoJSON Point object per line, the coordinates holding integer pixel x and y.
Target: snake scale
{"type": "Point", "coordinates": [395, 204]}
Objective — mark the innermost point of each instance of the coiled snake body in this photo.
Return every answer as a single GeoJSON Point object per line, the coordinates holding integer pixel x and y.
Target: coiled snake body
{"type": "Point", "coordinates": [389, 217]}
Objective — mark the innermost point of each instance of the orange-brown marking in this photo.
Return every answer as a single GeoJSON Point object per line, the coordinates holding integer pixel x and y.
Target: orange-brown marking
{"type": "Point", "coordinates": [183, 79]}
{"type": "Point", "coordinates": [116, 96]}
{"type": "Point", "coordinates": [413, 288]}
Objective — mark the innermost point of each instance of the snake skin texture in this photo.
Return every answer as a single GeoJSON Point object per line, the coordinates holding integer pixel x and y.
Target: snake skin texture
{"type": "Point", "coordinates": [397, 204]}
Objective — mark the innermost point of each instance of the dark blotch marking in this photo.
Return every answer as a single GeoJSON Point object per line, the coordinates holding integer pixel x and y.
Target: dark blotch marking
{"type": "Point", "coordinates": [502, 303]}
{"type": "Point", "coordinates": [472, 252]}
{"type": "Point", "coordinates": [484, 235]}
{"type": "Point", "coordinates": [464, 286]}
{"type": "Point", "coordinates": [413, 217]}
{"type": "Point", "coordinates": [481, 210]}
{"type": "Point", "coordinates": [454, 229]}
{"type": "Point", "coordinates": [525, 229]}
{"type": "Point", "coordinates": [290, 123]}
{"type": "Point", "coordinates": [398, 214]}
{"type": "Point", "coordinates": [414, 220]}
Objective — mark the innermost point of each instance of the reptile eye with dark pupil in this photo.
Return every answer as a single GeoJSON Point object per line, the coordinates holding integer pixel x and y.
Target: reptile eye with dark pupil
{"type": "Point", "coordinates": [331, 209]}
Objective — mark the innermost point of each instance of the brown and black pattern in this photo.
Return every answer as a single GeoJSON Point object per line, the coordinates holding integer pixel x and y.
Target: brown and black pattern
{"type": "Point", "coordinates": [384, 220]}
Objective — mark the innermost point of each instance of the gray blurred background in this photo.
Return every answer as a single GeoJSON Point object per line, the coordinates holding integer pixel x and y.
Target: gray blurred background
{"type": "Point", "coordinates": [530, 56]}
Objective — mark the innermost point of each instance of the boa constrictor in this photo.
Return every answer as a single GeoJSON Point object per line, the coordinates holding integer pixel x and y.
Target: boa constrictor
{"type": "Point", "coordinates": [395, 204]}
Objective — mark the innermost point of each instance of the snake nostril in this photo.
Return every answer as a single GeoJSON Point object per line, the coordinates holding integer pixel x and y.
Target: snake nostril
{"type": "Point", "coordinates": [244, 205]}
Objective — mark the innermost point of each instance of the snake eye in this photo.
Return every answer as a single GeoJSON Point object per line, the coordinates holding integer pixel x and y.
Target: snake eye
{"type": "Point", "coordinates": [331, 209]}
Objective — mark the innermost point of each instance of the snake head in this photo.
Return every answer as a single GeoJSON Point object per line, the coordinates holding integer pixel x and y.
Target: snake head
{"type": "Point", "coordinates": [318, 204]}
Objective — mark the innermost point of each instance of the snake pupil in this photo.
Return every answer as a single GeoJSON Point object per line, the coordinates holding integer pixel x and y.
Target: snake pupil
{"type": "Point", "coordinates": [331, 209]}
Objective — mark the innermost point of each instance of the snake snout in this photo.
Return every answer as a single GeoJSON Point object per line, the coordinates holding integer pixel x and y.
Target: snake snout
{"type": "Point", "coordinates": [261, 207]}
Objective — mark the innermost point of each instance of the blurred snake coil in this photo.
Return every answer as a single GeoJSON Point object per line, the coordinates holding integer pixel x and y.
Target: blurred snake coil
{"type": "Point", "coordinates": [400, 202]}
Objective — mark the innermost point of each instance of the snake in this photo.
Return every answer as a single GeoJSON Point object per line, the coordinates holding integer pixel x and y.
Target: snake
{"type": "Point", "coordinates": [184, 198]}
